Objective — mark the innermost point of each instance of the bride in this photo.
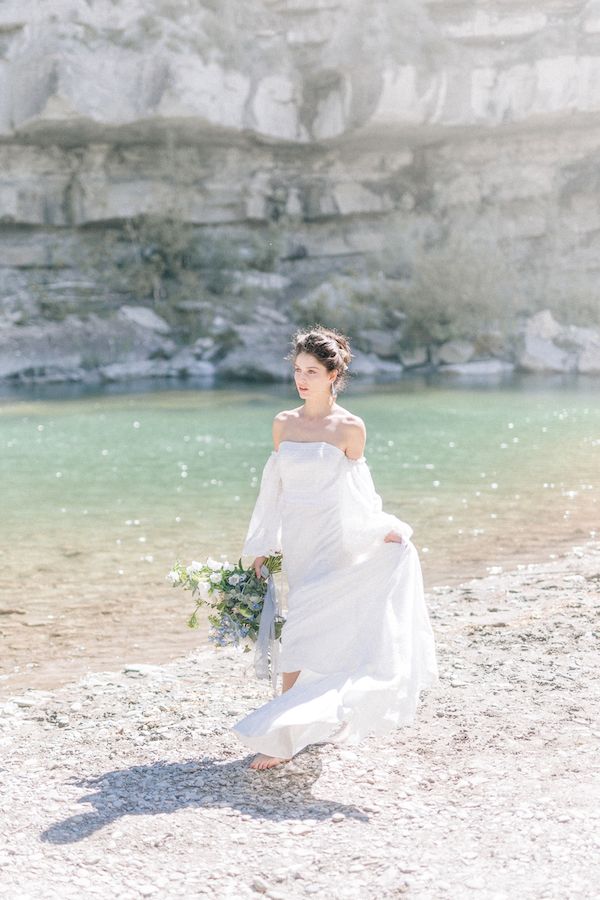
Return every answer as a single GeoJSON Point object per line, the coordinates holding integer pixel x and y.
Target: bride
{"type": "Point", "coordinates": [357, 645]}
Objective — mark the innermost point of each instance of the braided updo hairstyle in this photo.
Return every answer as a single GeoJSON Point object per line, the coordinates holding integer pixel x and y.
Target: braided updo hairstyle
{"type": "Point", "coordinates": [329, 346]}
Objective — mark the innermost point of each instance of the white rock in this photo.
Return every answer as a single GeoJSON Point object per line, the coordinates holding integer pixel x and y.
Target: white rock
{"type": "Point", "coordinates": [589, 360]}
{"type": "Point", "coordinates": [186, 364]}
{"type": "Point", "coordinates": [368, 364]}
{"type": "Point", "coordinates": [275, 108]}
{"type": "Point", "coordinates": [262, 281]}
{"type": "Point", "coordinates": [456, 351]}
{"type": "Point", "coordinates": [418, 356]}
{"type": "Point", "coordinates": [540, 355]}
{"type": "Point", "coordinates": [383, 343]}
{"type": "Point", "coordinates": [543, 325]}
{"type": "Point", "coordinates": [351, 198]}
{"type": "Point", "coordinates": [145, 318]}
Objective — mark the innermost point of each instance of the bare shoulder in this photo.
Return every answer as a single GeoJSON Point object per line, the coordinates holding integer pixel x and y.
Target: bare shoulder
{"type": "Point", "coordinates": [353, 432]}
{"type": "Point", "coordinates": [280, 421]}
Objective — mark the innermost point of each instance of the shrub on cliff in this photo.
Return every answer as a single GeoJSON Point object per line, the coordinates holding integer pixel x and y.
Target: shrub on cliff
{"type": "Point", "coordinates": [464, 288]}
{"type": "Point", "coordinates": [351, 305]}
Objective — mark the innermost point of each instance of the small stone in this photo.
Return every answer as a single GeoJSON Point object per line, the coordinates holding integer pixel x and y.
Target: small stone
{"type": "Point", "coordinates": [260, 885]}
{"type": "Point", "coordinates": [139, 669]}
{"type": "Point", "coordinates": [338, 817]}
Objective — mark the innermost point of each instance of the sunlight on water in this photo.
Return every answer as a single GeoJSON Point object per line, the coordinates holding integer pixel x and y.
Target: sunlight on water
{"type": "Point", "coordinates": [100, 495]}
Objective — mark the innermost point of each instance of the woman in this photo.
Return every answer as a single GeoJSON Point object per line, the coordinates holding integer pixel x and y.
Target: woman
{"type": "Point", "coordinates": [357, 645]}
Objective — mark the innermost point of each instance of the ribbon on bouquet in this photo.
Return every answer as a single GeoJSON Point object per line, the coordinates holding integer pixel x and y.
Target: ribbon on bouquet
{"type": "Point", "coordinates": [266, 643]}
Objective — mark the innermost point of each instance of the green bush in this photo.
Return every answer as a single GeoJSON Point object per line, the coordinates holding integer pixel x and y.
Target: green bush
{"type": "Point", "coordinates": [461, 289]}
{"type": "Point", "coordinates": [350, 305]}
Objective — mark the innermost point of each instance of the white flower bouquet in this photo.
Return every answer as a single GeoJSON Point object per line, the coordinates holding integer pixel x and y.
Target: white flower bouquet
{"type": "Point", "coordinates": [235, 595]}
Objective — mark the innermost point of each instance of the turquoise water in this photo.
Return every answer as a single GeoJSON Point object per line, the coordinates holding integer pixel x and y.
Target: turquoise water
{"type": "Point", "coordinates": [101, 494]}
{"type": "Point", "coordinates": [176, 472]}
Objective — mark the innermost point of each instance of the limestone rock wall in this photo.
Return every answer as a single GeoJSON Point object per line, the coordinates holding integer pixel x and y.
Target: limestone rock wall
{"type": "Point", "coordinates": [347, 125]}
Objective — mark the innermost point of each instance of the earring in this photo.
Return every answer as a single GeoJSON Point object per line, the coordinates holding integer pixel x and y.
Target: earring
{"type": "Point", "coordinates": [333, 389]}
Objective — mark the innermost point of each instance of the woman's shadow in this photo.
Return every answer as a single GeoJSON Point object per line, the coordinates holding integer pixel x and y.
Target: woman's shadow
{"type": "Point", "coordinates": [281, 793]}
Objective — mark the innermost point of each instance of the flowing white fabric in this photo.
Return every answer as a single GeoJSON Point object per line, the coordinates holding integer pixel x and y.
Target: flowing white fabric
{"type": "Point", "coordinates": [357, 626]}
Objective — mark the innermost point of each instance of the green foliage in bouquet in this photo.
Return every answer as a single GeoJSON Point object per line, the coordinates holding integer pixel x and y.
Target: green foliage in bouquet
{"type": "Point", "coordinates": [234, 594]}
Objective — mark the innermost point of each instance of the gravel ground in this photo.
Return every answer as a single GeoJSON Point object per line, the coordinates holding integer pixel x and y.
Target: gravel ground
{"type": "Point", "coordinates": [130, 784]}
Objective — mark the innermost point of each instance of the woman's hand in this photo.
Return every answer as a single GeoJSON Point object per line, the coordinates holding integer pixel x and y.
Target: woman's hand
{"type": "Point", "coordinates": [258, 564]}
{"type": "Point", "coordinates": [393, 536]}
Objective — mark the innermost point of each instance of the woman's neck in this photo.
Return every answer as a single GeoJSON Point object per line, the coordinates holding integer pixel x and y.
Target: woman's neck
{"type": "Point", "coordinates": [318, 408]}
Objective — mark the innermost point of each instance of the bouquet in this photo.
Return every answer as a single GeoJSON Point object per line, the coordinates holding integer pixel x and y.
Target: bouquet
{"type": "Point", "coordinates": [236, 597]}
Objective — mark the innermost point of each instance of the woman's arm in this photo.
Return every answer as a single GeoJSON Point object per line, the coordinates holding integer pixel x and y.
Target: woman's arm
{"type": "Point", "coordinates": [277, 431]}
{"type": "Point", "coordinates": [355, 438]}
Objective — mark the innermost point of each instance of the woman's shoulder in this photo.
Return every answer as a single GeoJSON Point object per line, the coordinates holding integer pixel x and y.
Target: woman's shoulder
{"type": "Point", "coordinates": [286, 414]}
{"type": "Point", "coordinates": [281, 421]}
{"type": "Point", "coordinates": [284, 417]}
{"type": "Point", "coordinates": [353, 432]}
{"type": "Point", "coordinates": [351, 424]}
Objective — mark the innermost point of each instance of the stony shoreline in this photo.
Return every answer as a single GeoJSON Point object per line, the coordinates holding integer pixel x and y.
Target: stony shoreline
{"type": "Point", "coordinates": [131, 784]}
{"type": "Point", "coordinates": [136, 344]}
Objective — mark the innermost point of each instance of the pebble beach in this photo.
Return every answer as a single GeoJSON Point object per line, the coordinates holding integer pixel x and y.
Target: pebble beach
{"type": "Point", "coordinates": [131, 784]}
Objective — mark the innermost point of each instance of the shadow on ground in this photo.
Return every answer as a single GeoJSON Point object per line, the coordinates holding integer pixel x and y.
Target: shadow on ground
{"type": "Point", "coordinates": [280, 794]}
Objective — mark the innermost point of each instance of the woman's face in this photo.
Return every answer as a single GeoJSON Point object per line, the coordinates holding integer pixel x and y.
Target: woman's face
{"type": "Point", "coordinates": [311, 376]}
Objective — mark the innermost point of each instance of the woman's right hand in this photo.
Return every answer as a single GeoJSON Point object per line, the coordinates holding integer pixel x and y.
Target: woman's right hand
{"type": "Point", "coordinates": [258, 564]}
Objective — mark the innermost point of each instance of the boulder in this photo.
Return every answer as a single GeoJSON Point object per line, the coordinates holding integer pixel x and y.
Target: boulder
{"type": "Point", "coordinates": [145, 318]}
{"type": "Point", "coordinates": [573, 337]}
{"type": "Point", "coordinates": [414, 358]}
{"type": "Point", "coordinates": [259, 355]}
{"type": "Point", "coordinates": [589, 360]}
{"type": "Point", "coordinates": [50, 375]}
{"type": "Point", "coordinates": [185, 365]}
{"type": "Point", "coordinates": [543, 325]}
{"type": "Point", "coordinates": [370, 365]}
{"type": "Point", "coordinates": [77, 343]}
{"type": "Point", "coordinates": [269, 282]}
{"type": "Point", "coordinates": [456, 352]}
{"type": "Point", "coordinates": [539, 355]}
{"type": "Point", "coordinates": [205, 348]}
{"type": "Point", "coordinates": [383, 343]}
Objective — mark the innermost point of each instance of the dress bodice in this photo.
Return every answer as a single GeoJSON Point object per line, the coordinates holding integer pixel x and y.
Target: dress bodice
{"type": "Point", "coordinates": [317, 475]}
{"type": "Point", "coordinates": [309, 470]}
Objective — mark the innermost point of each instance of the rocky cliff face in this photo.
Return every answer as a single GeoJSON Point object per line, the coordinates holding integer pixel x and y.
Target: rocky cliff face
{"type": "Point", "coordinates": [347, 127]}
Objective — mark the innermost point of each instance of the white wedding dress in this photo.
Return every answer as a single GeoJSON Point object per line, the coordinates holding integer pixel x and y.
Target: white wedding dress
{"type": "Point", "coordinates": [357, 626]}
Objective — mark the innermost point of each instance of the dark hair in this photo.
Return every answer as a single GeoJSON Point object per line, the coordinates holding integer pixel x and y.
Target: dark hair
{"type": "Point", "coordinates": [329, 346]}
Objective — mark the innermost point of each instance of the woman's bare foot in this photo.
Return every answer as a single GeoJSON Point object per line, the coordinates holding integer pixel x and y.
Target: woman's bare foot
{"type": "Point", "coordinates": [266, 762]}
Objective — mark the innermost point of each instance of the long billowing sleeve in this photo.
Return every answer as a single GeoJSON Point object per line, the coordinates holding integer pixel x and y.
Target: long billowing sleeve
{"type": "Point", "coordinates": [364, 521]}
{"type": "Point", "coordinates": [264, 531]}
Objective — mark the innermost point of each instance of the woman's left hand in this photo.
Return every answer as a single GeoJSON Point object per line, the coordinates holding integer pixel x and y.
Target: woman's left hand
{"type": "Point", "coordinates": [393, 536]}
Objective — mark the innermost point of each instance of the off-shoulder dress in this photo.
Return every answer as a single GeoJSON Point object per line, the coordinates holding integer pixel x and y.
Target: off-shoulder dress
{"type": "Point", "coordinates": [357, 626]}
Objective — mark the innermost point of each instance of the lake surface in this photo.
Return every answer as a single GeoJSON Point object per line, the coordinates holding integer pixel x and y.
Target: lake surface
{"type": "Point", "coordinates": [100, 494]}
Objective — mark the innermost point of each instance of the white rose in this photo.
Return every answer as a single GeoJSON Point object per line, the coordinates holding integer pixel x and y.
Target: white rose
{"type": "Point", "coordinates": [214, 564]}
{"type": "Point", "coordinates": [243, 577]}
{"type": "Point", "coordinates": [233, 579]}
{"type": "Point", "coordinates": [229, 567]}
{"type": "Point", "coordinates": [174, 577]}
{"type": "Point", "coordinates": [194, 567]}
{"type": "Point", "coordinates": [215, 578]}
